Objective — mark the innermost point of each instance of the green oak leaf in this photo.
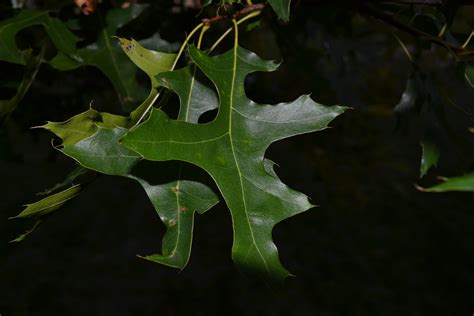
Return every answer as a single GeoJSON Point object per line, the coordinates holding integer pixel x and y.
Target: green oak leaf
{"type": "Point", "coordinates": [462, 183]}
{"type": "Point", "coordinates": [84, 125]}
{"type": "Point", "coordinates": [97, 147]}
{"type": "Point", "coordinates": [64, 40]}
{"type": "Point", "coordinates": [107, 55]}
{"type": "Point", "coordinates": [429, 157]}
{"type": "Point", "coordinates": [152, 63]}
{"type": "Point", "coordinates": [49, 204]}
{"type": "Point", "coordinates": [175, 201]}
{"type": "Point", "coordinates": [231, 149]}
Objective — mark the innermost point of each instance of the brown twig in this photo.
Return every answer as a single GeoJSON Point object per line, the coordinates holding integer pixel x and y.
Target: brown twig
{"type": "Point", "coordinates": [246, 10]}
{"type": "Point", "coordinates": [388, 18]}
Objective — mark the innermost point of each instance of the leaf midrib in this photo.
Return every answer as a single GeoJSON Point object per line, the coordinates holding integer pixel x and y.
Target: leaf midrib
{"type": "Point", "coordinates": [231, 105]}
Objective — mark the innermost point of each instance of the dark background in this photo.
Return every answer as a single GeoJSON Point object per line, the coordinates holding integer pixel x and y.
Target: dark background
{"type": "Point", "coordinates": [374, 246]}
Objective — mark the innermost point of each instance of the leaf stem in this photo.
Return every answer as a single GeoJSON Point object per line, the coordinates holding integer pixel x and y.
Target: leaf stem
{"type": "Point", "coordinates": [245, 18]}
{"type": "Point", "coordinates": [180, 52]}
{"type": "Point", "coordinates": [405, 49]}
{"type": "Point", "coordinates": [254, 9]}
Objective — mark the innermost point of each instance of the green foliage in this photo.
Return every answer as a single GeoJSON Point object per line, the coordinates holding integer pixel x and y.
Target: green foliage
{"type": "Point", "coordinates": [63, 39]}
{"type": "Point", "coordinates": [282, 8]}
{"type": "Point", "coordinates": [49, 204]}
{"type": "Point", "coordinates": [429, 156]}
{"type": "Point", "coordinates": [33, 63]}
{"type": "Point", "coordinates": [231, 150]}
{"type": "Point", "coordinates": [106, 55]}
{"type": "Point", "coordinates": [462, 183]}
{"type": "Point", "coordinates": [161, 153]}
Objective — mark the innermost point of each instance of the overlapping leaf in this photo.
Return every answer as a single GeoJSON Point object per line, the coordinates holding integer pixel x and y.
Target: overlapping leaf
{"type": "Point", "coordinates": [106, 55]}
{"type": "Point", "coordinates": [92, 139]}
{"type": "Point", "coordinates": [231, 149]}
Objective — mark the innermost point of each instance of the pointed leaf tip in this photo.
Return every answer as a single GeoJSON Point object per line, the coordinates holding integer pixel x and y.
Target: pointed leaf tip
{"type": "Point", "coordinates": [231, 149]}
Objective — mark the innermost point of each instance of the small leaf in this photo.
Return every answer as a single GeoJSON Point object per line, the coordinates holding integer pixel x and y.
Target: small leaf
{"type": "Point", "coordinates": [282, 8]}
{"type": "Point", "coordinates": [429, 157]}
{"type": "Point", "coordinates": [151, 62]}
{"type": "Point", "coordinates": [463, 183]}
{"type": "Point", "coordinates": [25, 234]}
{"type": "Point", "coordinates": [84, 125]}
{"type": "Point", "coordinates": [64, 40]}
{"type": "Point", "coordinates": [49, 204]}
{"type": "Point", "coordinates": [33, 64]}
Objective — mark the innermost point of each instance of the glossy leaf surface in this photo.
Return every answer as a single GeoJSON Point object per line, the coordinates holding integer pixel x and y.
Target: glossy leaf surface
{"type": "Point", "coordinates": [231, 149]}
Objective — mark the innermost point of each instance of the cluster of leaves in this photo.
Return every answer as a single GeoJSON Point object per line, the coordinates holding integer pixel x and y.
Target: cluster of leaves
{"type": "Point", "coordinates": [230, 149]}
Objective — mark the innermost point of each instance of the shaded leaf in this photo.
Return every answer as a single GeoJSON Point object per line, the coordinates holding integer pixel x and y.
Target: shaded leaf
{"type": "Point", "coordinates": [25, 234]}
{"type": "Point", "coordinates": [429, 156]}
{"type": "Point", "coordinates": [64, 40]}
{"type": "Point", "coordinates": [282, 8]}
{"type": "Point", "coordinates": [231, 149]}
{"type": "Point", "coordinates": [195, 98]}
{"type": "Point", "coordinates": [73, 175]}
{"type": "Point", "coordinates": [33, 64]}
{"type": "Point", "coordinates": [107, 55]}
{"type": "Point", "coordinates": [152, 63]}
{"type": "Point", "coordinates": [463, 183]}
{"type": "Point", "coordinates": [176, 201]}
{"type": "Point", "coordinates": [469, 73]}
{"type": "Point", "coordinates": [412, 98]}
{"type": "Point", "coordinates": [49, 204]}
